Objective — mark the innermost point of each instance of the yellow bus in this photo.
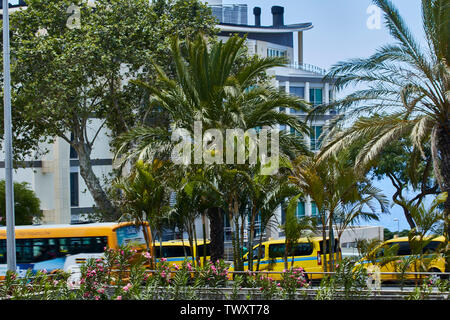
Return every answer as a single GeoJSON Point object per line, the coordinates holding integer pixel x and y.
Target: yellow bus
{"type": "Point", "coordinates": [432, 260]}
{"type": "Point", "coordinates": [176, 251]}
{"type": "Point", "coordinates": [65, 247]}
{"type": "Point", "coordinates": [308, 255]}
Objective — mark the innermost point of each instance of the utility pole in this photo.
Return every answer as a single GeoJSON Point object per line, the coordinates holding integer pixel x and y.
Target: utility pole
{"type": "Point", "coordinates": [9, 190]}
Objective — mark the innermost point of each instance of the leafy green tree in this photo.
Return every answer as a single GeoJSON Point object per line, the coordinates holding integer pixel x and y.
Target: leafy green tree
{"type": "Point", "coordinates": [26, 204]}
{"type": "Point", "coordinates": [70, 64]}
{"type": "Point", "coordinates": [404, 166]}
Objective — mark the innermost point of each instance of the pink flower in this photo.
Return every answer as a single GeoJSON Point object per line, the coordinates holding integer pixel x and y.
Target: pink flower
{"type": "Point", "coordinates": [119, 298]}
{"type": "Point", "coordinates": [147, 255]}
{"type": "Point", "coordinates": [101, 290]}
{"type": "Point", "coordinates": [127, 287]}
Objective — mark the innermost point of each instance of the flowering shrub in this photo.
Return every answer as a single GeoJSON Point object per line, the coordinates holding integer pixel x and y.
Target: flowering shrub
{"type": "Point", "coordinates": [162, 275]}
{"type": "Point", "coordinates": [213, 274]}
{"type": "Point", "coordinates": [40, 285]}
{"type": "Point", "coordinates": [124, 274]}
{"type": "Point", "coordinates": [427, 287]}
{"type": "Point", "coordinates": [292, 280]}
{"type": "Point", "coordinates": [94, 279]}
{"type": "Point", "coordinates": [352, 280]}
{"type": "Point", "coordinates": [268, 287]}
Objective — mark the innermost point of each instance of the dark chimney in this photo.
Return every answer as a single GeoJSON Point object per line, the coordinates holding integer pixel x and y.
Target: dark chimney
{"type": "Point", "coordinates": [277, 14]}
{"type": "Point", "coordinates": [257, 13]}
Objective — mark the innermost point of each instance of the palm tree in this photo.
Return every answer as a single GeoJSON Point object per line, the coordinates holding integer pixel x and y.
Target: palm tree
{"type": "Point", "coordinates": [428, 227]}
{"type": "Point", "coordinates": [275, 197]}
{"type": "Point", "coordinates": [210, 89]}
{"type": "Point", "coordinates": [407, 81]}
{"type": "Point", "coordinates": [144, 197]}
{"type": "Point", "coordinates": [332, 184]}
{"type": "Point", "coordinates": [353, 212]}
{"type": "Point", "coordinates": [294, 229]}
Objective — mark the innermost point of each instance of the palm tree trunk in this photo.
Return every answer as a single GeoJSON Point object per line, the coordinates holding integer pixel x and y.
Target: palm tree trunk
{"type": "Point", "coordinates": [215, 216]}
{"type": "Point", "coordinates": [204, 237]}
{"type": "Point", "coordinates": [260, 249]}
{"type": "Point", "coordinates": [286, 250]}
{"type": "Point", "coordinates": [241, 244]}
{"type": "Point", "coordinates": [194, 249]}
{"type": "Point", "coordinates": [331, 240]}
{"type": "Point", "coordinates": [324, 245]}
{"type": "Point", "coordinates": [250, 242]}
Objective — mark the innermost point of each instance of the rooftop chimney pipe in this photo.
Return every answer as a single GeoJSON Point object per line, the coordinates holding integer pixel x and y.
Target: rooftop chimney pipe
{"type": "Point", "coordinates": [257, 13]}
{"type": "Point", "coordinates": [278, 16]}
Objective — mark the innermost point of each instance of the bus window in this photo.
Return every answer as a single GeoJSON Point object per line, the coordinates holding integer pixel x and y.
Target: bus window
{"type": "Point", "coordinates": [328, 246]}
{"type": "Point", "coordinates": [256, 252]}
{"type": "Point", "coordinates": [40, 250]}
{"type": "Point", "coordinates": [2, 251]}
{"type": "Point", "coordinates": [302, 249]}
{"type": "Point", "coordinates": [130, 234]}
{"type": "Point", "coordinates": [403, 248]}
{"type": "Point", "coordinates": [82, 245]}
{"type": "Point", "coordinates": [432, 247]}
{"type": "Point", "coordinates": [200, 250]}
{"type": "Point", "coordinates": [276, 250]}
{"type": "Point", "coordinates": [172, 251]}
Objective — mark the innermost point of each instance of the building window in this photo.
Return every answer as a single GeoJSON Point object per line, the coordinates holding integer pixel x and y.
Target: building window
{"type": "Point", "coordinates": [316, 141]}
{"type": "Point", "coordinates": [276, 52]}
{"type": "Point", "coordinates": [300, 212]}
{"type": "Point", "coordinates": [297, 91]}
{"type": "Point", "coordinates": [73, 153]}
{"type": "Point", "coordinates": [314, 210]}
{"type": "Point", "coordinates": [74, 197]}
{"type": "Point", "coordinates": [293, 131]}
{"type": "Point", "coordinates": [315, 96]}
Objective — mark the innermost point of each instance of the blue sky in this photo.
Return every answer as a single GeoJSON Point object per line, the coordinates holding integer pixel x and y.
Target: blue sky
{"type": "Point", "coordinates": [340, 32]}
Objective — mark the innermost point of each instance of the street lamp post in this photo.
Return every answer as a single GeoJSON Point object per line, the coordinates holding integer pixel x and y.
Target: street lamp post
{"type": "Point", "coordinates": [9, 190]}
{"type": "Point", "coordinates": [398, 226]}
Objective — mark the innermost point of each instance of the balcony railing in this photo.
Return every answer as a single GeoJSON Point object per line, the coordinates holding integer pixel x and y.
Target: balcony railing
{"type": "Point", "coordinates": [308, 67]}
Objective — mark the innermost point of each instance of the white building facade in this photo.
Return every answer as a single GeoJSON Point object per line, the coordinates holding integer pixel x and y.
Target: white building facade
{"type": "Point", "coordinates": [55, 175]}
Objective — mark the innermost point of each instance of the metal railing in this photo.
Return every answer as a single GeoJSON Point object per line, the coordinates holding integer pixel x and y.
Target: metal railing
{"type": "Point", "coordinates": [308, 67]}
